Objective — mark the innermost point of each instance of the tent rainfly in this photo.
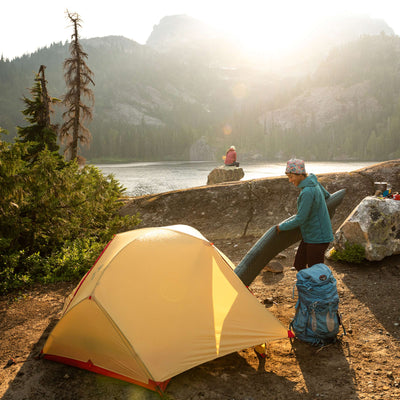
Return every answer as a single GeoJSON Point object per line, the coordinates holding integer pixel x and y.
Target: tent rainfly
{"type": "Point", "coordinates": [157, 302]}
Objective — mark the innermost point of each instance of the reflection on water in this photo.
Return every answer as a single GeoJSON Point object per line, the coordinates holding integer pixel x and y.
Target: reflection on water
{"type": "Point", "coordinates": [158, 177]}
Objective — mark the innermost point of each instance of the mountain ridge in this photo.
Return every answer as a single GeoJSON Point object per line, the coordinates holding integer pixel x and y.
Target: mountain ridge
{"type": "Point", "coordinates": [160, 104]}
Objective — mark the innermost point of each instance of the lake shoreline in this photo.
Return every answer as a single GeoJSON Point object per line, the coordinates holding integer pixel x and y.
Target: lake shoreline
{"type": "Point", "coordinates": [236, 209]}
{"type": "Point", "coordinates": [143, 178]}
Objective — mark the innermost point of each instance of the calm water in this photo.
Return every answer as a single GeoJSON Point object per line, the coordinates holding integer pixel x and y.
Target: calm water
{"type": "Point", "coordinates": [157, 177]}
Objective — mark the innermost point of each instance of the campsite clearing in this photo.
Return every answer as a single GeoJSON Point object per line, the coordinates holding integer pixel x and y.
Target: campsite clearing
{"type": "Point", "coordinates": [365, 364]}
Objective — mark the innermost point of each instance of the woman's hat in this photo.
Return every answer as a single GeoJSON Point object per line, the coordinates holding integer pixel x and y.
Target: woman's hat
{"type": "Point", "coordinates": [295, 166]}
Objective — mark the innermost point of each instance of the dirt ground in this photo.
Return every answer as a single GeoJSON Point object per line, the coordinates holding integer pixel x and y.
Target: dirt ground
{"type": "Point", "coordinates": [364, 364]}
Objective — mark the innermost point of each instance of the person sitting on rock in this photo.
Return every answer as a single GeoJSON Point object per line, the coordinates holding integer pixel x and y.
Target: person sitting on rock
{"type": "Point", "coordinates": [230, 157]}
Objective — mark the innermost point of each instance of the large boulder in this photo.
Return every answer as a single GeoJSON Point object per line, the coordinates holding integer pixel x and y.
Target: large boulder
{"type": "Point", "coordinates": [373, 224]}
{"type": "Point", "coordinates": [225, 174]}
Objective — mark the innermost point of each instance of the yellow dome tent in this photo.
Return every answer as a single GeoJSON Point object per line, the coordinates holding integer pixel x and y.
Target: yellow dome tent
{"type": "Point", "coordinates": [157, 302]}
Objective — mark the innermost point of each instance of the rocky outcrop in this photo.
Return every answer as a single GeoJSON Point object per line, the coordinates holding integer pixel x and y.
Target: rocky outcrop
{"type": "Point", "coordinates": [225, 174]}
{"type": "Point", "coordinates": [375, 225]}
{"type": "Point", "coordinates": [321, 106]}
{"type": "Point", "coordinates": [179, 30]}
{"type": "Point", "coordinates": [249, 208]}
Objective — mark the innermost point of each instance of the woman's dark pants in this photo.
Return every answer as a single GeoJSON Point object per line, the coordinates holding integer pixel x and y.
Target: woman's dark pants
{"type": "Point", "coordinates": [309, 254]}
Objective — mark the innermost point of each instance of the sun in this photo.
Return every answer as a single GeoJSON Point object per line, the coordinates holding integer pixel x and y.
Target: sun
{"type": "Point", "coordinates": [266, 26]}
{"type": "Point", "coordinates": [276, 36]}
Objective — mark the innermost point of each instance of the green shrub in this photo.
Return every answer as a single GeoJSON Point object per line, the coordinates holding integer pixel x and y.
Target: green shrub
{"type": "Point", "coordinates": [55, 217]}
{"type": "Point", "coordinates": [10, 278]}
{"type": "Point", "coordinates": [72, 261]}
{"type": "Point", "coordinates": [352, 253]}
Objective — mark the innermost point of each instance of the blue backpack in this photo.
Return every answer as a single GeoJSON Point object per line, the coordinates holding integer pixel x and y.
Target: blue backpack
{"type": "Point", "coordinates": [317, 318]}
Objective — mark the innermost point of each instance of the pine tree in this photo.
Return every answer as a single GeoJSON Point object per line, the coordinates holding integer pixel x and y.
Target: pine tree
{"type": "Point", "coordinates": [78, 76]}
{"type": "Point", "coordinates": [40, 133]}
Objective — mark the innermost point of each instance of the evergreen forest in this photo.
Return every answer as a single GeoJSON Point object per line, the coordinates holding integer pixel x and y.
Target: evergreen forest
{"type": "Point", "coordinates": [152, 105]}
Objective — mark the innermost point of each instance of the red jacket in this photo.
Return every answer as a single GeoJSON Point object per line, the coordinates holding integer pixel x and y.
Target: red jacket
{"type": "Point", "coordinates": [230, 157]}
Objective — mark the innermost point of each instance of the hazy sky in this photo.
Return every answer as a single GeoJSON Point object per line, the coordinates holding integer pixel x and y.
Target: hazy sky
{"type": "Point", "coordinates": [27, 25]}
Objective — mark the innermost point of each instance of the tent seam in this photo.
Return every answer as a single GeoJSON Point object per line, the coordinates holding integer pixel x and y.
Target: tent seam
{"type": "Point", "coordinates": [92, 293]}
{"type": "Point", "coordinates": [87, 274]}
{"type": "Point", "coordinates": [135, 355]}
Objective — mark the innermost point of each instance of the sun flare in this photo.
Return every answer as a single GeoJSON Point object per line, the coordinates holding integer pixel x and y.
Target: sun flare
{"type": "Point", "coordinates": [266, 27]}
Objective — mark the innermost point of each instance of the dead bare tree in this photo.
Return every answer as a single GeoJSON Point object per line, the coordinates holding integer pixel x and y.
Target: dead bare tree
{"type": "Point", "coordinates": [78, 77]}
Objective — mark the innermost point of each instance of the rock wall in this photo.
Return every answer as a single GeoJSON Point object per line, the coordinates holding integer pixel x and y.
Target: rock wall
{"type": "Point", "coordinates": [235, 209]}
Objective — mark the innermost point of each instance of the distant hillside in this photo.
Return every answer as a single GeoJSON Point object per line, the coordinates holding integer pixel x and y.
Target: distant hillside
{"type": "Point", "coordinates": [324, 36]}
{"type": "Point", "coordinates": [350, 108]}
{"type": "Point", "coordinates": [334, 31]}
{"type": "Point", "coordinates": [189, 93]}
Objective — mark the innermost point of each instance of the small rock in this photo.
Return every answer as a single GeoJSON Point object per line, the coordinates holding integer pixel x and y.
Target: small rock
{"type": "Point", "coordinates": [275, 267]}
{"type": "Point", "coordinates": [224, 377]}
{"type": "Point", "coordinates": [268, 300]}
{"type": "Point", "coordinates": [281, 256]}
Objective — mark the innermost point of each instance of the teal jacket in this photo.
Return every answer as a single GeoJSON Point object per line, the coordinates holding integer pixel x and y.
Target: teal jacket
{"type": "Point", "coordinates": [312, 213]}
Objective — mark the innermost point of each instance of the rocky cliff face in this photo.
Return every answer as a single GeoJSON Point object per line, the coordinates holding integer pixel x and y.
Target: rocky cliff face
{"type": "Point", "coordinates": [249, 208]}
{"type": "Point", "coordinates": [322, 106]}
{"type": "Point", "coordinates": [179, 30]}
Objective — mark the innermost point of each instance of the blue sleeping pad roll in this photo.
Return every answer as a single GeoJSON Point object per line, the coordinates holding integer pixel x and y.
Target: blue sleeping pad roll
{"type": "Point", "coordinates": [272, 243]}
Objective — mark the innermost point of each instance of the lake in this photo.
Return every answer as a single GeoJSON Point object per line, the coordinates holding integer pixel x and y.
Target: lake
{"type": "Point", "coordinates": [157, 177]}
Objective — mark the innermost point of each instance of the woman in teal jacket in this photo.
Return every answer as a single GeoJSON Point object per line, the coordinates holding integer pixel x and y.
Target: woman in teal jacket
{"type": "Point", "coordinates": [312, 216]}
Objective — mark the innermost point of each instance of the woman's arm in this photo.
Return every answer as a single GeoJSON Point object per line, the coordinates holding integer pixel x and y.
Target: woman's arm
{"type": "Point", "coordinates": [304, 207]}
